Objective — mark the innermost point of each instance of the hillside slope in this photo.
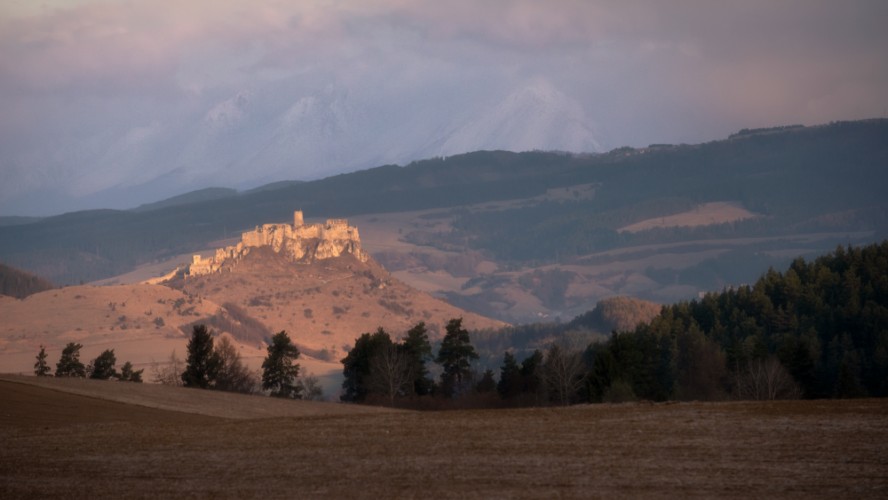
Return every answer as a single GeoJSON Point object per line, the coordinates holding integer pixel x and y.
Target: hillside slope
{"type": "Point", "coordinates": [142, 323]}
{"type": "Point", "coordinates": [58, 400]}
{"type": "Point", "coordinates": [326, 304]}
{"type": "Point", "coordinates": [323, 306]}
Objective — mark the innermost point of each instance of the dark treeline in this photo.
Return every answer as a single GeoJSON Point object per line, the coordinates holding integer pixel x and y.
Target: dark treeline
{"type": "Point", "coordinates": [20, 284]}
{"type": "Point", "coordinates": [100, 368]}
{"type": "Point", "coordinates": [825, 322]}
{"type": "Point", "coordinates": [817, 330]}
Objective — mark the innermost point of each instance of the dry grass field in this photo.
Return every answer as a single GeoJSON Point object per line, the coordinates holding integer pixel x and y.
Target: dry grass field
{"type": "Point", "coordinates": [60, 444]}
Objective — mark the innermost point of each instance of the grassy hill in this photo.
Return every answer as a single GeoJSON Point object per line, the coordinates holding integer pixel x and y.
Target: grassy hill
{"type": "Point", "coordinates": [323, 305]}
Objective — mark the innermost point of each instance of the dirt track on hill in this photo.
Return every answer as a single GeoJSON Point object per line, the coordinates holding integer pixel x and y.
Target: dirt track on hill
{"type": "Point", "coordinates": [808, 449]}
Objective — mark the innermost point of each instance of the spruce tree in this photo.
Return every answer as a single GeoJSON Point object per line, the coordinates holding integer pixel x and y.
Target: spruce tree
{"type": "Point", "coordinates": [203, 362]}
{"type": "Point", "coordinates": [127, 374]}
{"type": "Point", "coordinates": [278, 371]}
{"type": "Point", "coordinates": [356, 366]}
{"type": "Point", "coordinates": [103, 366]}
{"type": "Point", "coordinates": [509, 384]}
{"type": "Point", "coordinates": [41, 367]}
{"type": "Point", "coordinates": [455, 357]}
{"type": "Point", "coordinates": [419, 350]}
{"type": "Point", "coordinates": [69, 364]}
{"type": "Point", "coordinates": [487, 382]}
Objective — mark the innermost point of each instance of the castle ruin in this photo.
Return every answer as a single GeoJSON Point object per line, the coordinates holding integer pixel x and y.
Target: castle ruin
{"type": "Point", "coordinates": [299, 242]}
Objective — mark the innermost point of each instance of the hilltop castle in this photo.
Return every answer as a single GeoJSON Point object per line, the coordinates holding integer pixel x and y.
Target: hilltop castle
{"type": "Point", "coordinates": [299, 242]}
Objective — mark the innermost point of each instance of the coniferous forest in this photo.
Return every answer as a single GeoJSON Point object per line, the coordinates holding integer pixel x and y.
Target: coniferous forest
{"type": "Point", "coordinates": [817, 330]}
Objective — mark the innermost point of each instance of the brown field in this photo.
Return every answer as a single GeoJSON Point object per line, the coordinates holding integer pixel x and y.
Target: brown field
{"type": "Point", "coordinates": [60, 444]}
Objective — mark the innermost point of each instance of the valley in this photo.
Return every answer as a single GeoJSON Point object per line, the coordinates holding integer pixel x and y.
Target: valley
{"type": "Point", "coordinates": [494, 237]}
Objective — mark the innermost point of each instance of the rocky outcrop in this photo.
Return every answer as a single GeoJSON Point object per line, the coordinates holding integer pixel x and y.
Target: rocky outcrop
{"type": "Point", "coordinates": [299, 242]}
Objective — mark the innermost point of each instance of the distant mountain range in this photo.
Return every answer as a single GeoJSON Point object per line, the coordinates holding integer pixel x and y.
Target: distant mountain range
{"type": "Point", "coordinates": [513, 235]}
{"type": "Point", "coordinates": [241, 141]}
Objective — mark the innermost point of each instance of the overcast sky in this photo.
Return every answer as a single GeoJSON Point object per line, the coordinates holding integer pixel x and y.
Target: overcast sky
{"type": "Point", "coordinates": [104, 103]}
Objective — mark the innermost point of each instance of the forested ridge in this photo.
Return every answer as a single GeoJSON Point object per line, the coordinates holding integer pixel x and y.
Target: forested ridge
{"type": "Point", "coordinates": [825, 322]}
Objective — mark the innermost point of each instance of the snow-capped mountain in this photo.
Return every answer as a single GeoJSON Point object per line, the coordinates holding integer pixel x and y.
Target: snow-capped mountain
{"type": "Point", "coordinates": [256, 136]}
{"type": "Point", "coordinates": [536, 116]}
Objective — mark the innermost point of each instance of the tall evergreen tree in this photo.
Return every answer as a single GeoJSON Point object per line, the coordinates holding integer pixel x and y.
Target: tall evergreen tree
{"type": "Point", "coordinates": [419, 351]}
{"type": "Point", "coordinates": [203, 363]}
{"type": "Point", "coordinates": [455, 357]}
{"type": "Point", "coordinates": [487, 382]}
{"type": "Point", "coordinates": [509, 384]}
{"type": "Point", "coordinates": [278, 371]}
{"type": "Point", "coordinates": [41, 367]}
{"type": "Point", "coordinates": [356, 366]}
{"type": "Point", "coordinates": [103, 365]}
{"type": "Point", "coordinates": [127, 374]}
{"type": "Point", "coordinates": [532, 373]}
{"type": "Point", "coordinates": [69, 364]}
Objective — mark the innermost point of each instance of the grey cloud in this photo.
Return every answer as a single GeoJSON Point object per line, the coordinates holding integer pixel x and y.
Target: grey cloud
{"type": "Point", "coordinates": [100, 99]}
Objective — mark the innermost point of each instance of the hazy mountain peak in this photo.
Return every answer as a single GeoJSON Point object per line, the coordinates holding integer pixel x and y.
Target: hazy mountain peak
{"type": "Point", "coordinates": [228, 112]}
{"type": "Point", "coordinates": [256, 136]}
{"type": "Point", "coordinates": [534, 116]}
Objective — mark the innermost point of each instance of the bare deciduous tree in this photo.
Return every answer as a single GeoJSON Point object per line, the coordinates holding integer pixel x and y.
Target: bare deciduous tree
{"type": "Point", "coordinates": [233, 376]}
{"type": "Point", "coordinates": [390, 373]}
{"type": "Point", "coordinates": [766, 379]}
{"type": "Point", "coordinates": [564, 369]}
{"type": "Point", "coordinates": [168, 373]}
{"type": "Point", "coordinates": [310, 388]}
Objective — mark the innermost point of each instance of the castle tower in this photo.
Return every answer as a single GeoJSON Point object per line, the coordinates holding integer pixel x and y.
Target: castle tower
{"type": "Point", "coordinates": [297, 219]}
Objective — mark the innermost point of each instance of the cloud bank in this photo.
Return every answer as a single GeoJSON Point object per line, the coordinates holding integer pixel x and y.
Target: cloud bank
{"type": "Point", "coordinates": [113, 103]}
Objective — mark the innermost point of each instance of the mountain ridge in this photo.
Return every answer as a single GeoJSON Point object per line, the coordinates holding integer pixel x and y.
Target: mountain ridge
{"type": "Point", "coordinates": [809, 188]}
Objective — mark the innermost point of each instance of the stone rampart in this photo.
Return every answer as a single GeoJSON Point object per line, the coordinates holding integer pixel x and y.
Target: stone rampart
{"type": "Point", "coordinates": [299, 242]}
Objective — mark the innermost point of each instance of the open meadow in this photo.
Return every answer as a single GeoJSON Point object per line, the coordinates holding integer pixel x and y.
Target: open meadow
{"type": "Point", "coordinates": [78, 439]}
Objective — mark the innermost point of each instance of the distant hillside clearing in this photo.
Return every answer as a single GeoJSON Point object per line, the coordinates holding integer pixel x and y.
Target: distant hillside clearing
{"type": "Point", "coordinates": [707, 214]}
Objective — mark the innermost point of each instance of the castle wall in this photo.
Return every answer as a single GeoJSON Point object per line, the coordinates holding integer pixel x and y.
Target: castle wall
{"type": "Point", "coordinates": [298, 242]}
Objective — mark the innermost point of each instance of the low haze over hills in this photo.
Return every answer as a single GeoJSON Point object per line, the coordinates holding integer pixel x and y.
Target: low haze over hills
{"type": "Point", "coordinates": [520, 236]}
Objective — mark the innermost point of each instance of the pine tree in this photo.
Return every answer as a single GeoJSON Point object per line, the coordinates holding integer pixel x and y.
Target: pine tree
{"type": "Point", "coordinates": [455, 356]}
{"type": "Point", "coordinates": [103, 366]}
{"type": "Point", "coordinates": [278, 371]}
{"type": "Point", "coordinates": [487, 382]}
{"type": "Point", "coordinates": [203, 362]}
{"type": "Point", "coordinates": [419, 350]}
{"type": "Point", "coordinates": [127, 374]}
{"type": "Point", "coordinates": [509, 384]}
{"type": "Point", "coordinates": [69, 364]}
{"type": "Point", "coordinates": [41, 367]}
{"type": "Point", "coordinates": [356, 366]}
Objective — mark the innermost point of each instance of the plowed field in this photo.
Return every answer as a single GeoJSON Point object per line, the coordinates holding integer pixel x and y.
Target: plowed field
{"type": "Point", "coordinates": [59, 444]}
